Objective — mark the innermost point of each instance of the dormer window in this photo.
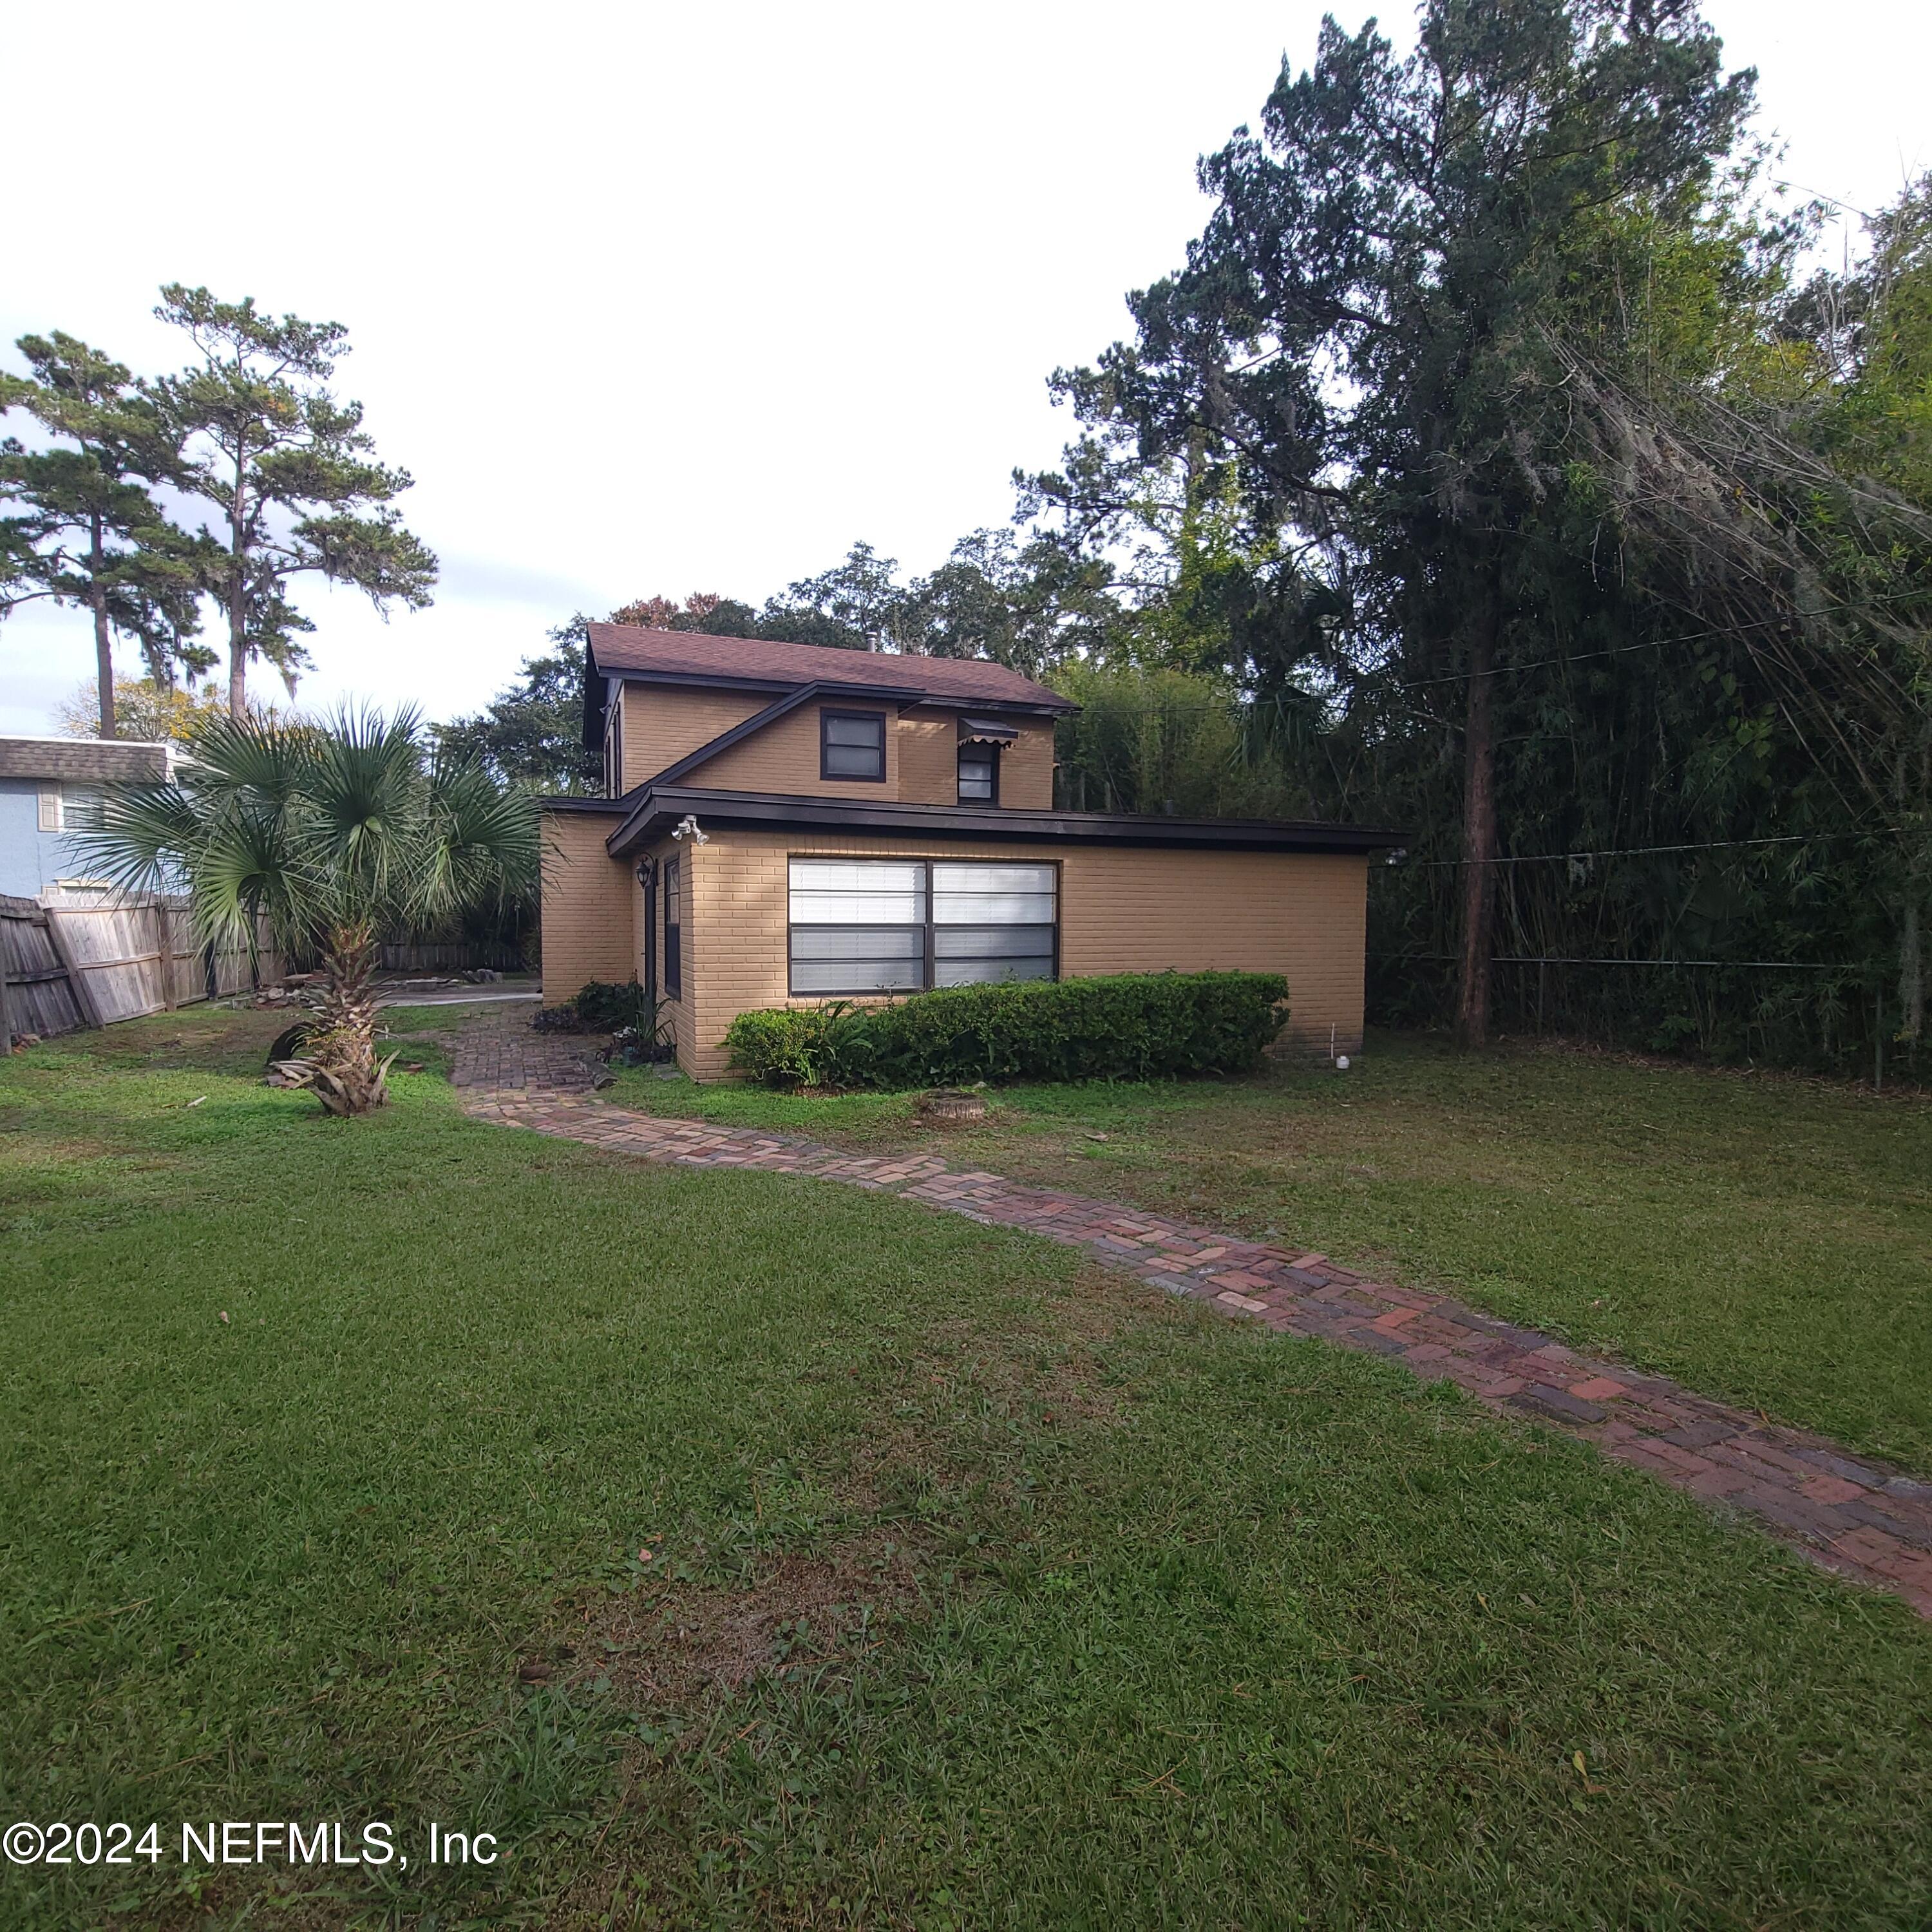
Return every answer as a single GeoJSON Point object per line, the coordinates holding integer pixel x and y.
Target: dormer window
{"type": "Point", "coordinates": [852, 744]}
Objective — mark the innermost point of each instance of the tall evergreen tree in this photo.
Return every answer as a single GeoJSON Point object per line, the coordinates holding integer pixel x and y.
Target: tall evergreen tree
{"type": "Point", "coordinates": [88, 531]}
{"type": "Point", "coordinates": [1356, 346]}
{"type": "Point", "coordinates": [291, 472]}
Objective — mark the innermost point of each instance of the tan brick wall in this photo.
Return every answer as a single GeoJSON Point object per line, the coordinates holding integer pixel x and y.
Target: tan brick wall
{"type": "Point", "coordinates": [656, 725]}
{"type": "Point", "coordinates": [588, 930]}
{"type": "Point", "coordinates": [929, 747]}
{"type": "Point", "coordinates": [1026, 770]}
{"type": "Point", "coordinates": [1121, 910]}
{"type": "Point", "coordinates": [662, 724]}
{"type": "Point", "coordinates": [783, 757]}
{"type": "Point", "coordinates": [929, 762]}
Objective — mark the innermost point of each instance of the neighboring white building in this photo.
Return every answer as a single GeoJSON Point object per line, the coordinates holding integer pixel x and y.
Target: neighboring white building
{"type": "Point", "coordinates": [50, 788]}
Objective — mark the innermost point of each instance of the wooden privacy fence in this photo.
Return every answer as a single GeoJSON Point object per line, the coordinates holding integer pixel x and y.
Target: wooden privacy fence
{"type": "Point", "coordinates": [460, 955]}
{"type": "Point", "coordinates": [75, 964]}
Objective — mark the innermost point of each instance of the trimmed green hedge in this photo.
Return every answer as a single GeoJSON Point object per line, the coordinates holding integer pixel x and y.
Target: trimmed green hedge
{"type": "Point", "coordinates": [1126, 1026]}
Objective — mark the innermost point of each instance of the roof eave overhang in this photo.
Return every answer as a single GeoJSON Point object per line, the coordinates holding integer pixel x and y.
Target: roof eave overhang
{"type": "Point", "coordinates": [886, 687]}
{"type": "Point", "coordinates": [652, 811]}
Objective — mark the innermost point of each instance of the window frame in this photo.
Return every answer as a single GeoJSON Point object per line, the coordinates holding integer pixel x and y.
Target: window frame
{"type": "Point", "coordinates": [674, 928]}
{"type": "Point", "coordinates": [91, 800]}
{"type": "Point", "coordinates": [928, 927]}
{"type": "Point", "coordinates": [827, 714]}
{"type": "Point", "coordinates": [976, 747]}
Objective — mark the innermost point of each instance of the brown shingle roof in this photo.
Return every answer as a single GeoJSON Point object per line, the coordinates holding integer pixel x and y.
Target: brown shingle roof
{"type": "Point", "coordinates": [86, 760]}
{"type": "Point", "coordinates": [635, 648]}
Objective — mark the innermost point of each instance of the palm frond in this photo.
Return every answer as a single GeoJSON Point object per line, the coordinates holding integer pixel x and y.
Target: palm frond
{"type": "Point", "coordinates": [485, 844]}
{"type": "Point", "coordinates": [146, 833]}
{"type": "Point", "coordinates": [312, 829]}
{"type": "Point", "coordinates": [266, 759]}
{"type": "Point", "coordinates": [367, 788]}
{"type": "Point", "coordinates": [257, 863]}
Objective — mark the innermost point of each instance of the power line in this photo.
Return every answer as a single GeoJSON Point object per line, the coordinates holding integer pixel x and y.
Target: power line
{"type": "Point", "coordinates": [1553, 959]}
{"type": "Point", "coordinates": [1642, 851]}
{"type": "Point", "coordinates": [1582, 657]}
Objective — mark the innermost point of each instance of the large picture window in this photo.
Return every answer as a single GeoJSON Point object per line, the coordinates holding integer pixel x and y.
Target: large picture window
{"type": "Point", "coordinates": [899, 926]}
{"type": "Point", "coordinates": [852, 744]}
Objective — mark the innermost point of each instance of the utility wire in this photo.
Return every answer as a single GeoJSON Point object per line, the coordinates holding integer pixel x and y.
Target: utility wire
{"type": "Point", "coordinates": [1551, 959]}
{"type": "Point", "coordinates": [1581, 657]}
{"type": "Point", "coordinates": [1641, 851]}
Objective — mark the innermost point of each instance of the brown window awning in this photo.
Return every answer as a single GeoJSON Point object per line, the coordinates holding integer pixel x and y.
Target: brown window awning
{"type": "Point", "coordinates": [987, 731]}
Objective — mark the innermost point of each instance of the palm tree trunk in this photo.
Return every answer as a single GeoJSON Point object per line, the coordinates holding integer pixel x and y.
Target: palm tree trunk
{"type": "Point", "coordinates": [342, 1047]}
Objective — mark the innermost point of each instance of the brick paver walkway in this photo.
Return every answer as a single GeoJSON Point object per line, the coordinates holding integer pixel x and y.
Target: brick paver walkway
{"type": "Point", "coordinates": [1848, 1513]}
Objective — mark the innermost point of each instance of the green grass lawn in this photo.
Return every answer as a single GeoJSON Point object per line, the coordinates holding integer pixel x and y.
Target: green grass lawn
{"type": "Point", "coordinates": [984, 1588]}
{"type": "Point", "coordinates": [1768, 1240]}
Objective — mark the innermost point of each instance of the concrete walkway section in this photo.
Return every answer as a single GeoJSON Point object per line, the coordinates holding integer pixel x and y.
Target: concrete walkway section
{"type": "Point", "coordinates": [1851, 1514]}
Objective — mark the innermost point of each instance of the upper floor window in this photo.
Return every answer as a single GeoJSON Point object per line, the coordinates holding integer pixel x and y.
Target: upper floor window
{"type": "Point", "coordinates": [70, 808]}
{"type": "Point", "coordinates": [852, 744]}
{"type": "Point", "coordinates": [979, 774]}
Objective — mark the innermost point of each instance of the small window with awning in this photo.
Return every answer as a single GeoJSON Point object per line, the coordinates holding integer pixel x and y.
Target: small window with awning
{"type": "Point", "coordinates": [980, 741]}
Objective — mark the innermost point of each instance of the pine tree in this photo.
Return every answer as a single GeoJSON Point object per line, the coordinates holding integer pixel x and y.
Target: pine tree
{"type": "Point", "coordinates": [291, 472]}
{"type": "Point", "coordinates": [89, 533]}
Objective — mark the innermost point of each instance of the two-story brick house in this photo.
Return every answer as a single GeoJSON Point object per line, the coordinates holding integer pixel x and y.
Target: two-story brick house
{"type": "Point", "coordinates": [785, 823]}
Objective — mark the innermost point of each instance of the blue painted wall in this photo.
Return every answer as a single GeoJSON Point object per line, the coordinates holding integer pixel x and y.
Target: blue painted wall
{"type": "Point", "coordinates": [30, 859]}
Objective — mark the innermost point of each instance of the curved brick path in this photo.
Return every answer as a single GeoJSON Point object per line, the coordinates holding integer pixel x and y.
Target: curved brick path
{"type": "Point", "coordinates": [1846, 1512]}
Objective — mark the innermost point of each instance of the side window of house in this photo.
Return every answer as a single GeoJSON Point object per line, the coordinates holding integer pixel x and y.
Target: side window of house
{"type": "Point", "coordinates": [979, 774]}
{"type": "Point", "coordinates": [674, 928]}
{"type": "Point", "coordinates": [899, 926]}
{"type": "Point", "coordinates": [852, 744]}
{"type": "Point", "coordinates": [80, 809]}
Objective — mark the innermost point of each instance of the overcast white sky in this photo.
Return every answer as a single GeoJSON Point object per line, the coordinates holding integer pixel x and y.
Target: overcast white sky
{"type": "Point", "coordinates": [655, 299]}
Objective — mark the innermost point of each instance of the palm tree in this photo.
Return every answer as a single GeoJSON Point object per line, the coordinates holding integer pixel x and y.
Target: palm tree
{"type": "Point", "coordinates": [332, 838]}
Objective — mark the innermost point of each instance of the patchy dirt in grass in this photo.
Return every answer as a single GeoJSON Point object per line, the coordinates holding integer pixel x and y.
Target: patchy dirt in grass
{"type": "Point", "coordinates": [675, 1644]}
{"type": "Point", "coordinates": [60, 1150]}
{"type": "Point", "coordinates": [914, 1481]}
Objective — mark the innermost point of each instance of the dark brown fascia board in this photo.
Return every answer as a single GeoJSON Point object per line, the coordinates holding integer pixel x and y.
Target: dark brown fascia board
{"type": "Point", "coordinates": [661, 806]}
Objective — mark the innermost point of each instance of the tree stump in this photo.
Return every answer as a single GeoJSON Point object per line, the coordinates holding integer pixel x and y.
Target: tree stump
{"type": "Point", "coordinates": [949, 1104]}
